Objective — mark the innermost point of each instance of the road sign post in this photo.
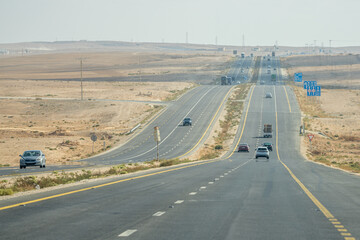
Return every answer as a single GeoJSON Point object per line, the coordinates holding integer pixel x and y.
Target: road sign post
{"type": "Point", "coordinates": [93, 138]}
{"type": "Point", "coordinates": [157, 140]}
{"type": "Point", "coordinates": [310, 136]}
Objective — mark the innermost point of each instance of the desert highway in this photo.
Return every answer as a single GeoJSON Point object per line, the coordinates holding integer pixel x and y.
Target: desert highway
{"type": "Point", "coordinates": [202, 104]}
{"type": "Point", "coordinates": [236, 197]}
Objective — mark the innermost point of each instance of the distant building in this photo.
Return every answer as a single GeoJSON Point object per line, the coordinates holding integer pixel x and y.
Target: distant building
{"type": "Point", "coordinates": [4, 52]}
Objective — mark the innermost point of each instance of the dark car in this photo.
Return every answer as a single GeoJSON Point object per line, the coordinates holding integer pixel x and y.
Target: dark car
{"type": "Point", "coordinates": [244, 147]}
{"type": "Point", "coordinates": [32, 158]}
{"type": "Point", "coordinates": [268, 145]}
{"type": "Point", "coordinates": [187, 122]}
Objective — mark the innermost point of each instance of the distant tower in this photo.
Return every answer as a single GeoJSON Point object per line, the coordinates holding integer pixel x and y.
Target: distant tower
{"type": "Point", "coordinates": [216, 40]}
{"type": "Point", "coordinates": [243, 42]}
{"type": "Point", "coordinates": [187, 40]}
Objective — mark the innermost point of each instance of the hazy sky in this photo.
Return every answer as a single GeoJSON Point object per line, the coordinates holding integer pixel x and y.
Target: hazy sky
{"type": "Point", "coordinates": [290, 22]}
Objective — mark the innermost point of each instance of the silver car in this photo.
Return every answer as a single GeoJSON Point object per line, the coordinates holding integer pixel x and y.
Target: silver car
{"type": "Point", "coordinates": [32, 158]}
{"type": "Point", "coordinates": [262, 152]}
{"type": "Point", "coordinates": [268, 95]}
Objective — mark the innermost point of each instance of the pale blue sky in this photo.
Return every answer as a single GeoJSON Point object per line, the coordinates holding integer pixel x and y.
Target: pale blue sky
{"type": "Point", "coordinates": [290, 22]}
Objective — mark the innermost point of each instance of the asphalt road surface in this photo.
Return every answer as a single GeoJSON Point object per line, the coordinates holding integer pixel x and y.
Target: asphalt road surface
{"type": "Point", "coordinates": [233, 198]}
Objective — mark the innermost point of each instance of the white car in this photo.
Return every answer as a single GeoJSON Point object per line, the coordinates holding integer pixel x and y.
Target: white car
{"type": "Point", "coordinates": [262, 152]}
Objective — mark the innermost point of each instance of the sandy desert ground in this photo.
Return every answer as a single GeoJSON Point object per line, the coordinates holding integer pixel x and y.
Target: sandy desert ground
{"type": "Point", "coordinates": [115, 66]}
{"type": "Point", "coordinates": [62, 128]}
{"type": "Point", "coordinates": [50, 116]}
{"type": "Point", "coordinates": [334, 119]}
{"type": "Point", "coordinates": [330, 71]}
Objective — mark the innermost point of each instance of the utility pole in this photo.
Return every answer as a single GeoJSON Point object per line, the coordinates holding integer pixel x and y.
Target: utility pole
{"type": "Point", "coordinates": [329, 46]}
{"type": "Point", "coordinates": [243, 42]}
{"type": "Point", "coordinates": [81, 77]}
{"type": "Point", "coordinates": [187, 38]}
{"type": "Point", "coordinates": [81, 66]}
{"type": "Point", "coordinates": [139, 69]}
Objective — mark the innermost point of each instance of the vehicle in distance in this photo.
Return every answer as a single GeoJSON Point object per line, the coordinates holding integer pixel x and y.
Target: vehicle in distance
{"type": "Point", "coordinates": [267, 131]}
{"type": "Point", "coordinates": [273, 77]}
{"type": "Point", "coordinates": [268, 145]}
{"type": "Point", "coordinates": [187, 122]}
{"type": "Point", "coordinates": [262, 152]}
{"type": "Point", "coordinates": [244, 147]}
{"type": "Point", "coordinates": [32, 158]}
{"type": "Point", "coordinates": [269, 71]}
{"type": "Point", "coordinates": [262, 82]}
{"type": "Point", "coordinates": [268, 95]}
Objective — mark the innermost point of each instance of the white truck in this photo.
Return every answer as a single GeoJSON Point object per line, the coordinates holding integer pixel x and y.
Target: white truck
{"type": "Point", "coordinates": [267, 131]}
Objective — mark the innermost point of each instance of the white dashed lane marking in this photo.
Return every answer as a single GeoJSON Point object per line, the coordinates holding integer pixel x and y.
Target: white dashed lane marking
{"type": "Point", "coordinates": [127, 233]}
{"type": "Point", "coordinates": [179, 201]}
{"type": "Point", "coordinates": [211, 182]}
{"type": "Point", "coordinates": [158, 214]}
{"type": "Point", "coordinates": [193, 193]}
{"type": "Point", "coordinates": [203, 187]}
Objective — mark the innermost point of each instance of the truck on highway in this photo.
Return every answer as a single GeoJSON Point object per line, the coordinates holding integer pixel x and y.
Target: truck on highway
{"type": "Point", "coordinates": [273, 77]}
{"type": "Point", "coordinates": [273, 53]}
{"type": "Point", "coordinates": [242, 55]}
{"type": "Point", "coordinates": [229, 80]}
{"type": "Point", "coordinates": [223, 80]}
{"type": "Point", "coordinates": [267, 131]}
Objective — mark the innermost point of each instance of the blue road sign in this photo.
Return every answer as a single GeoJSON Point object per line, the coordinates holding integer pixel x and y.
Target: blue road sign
{"type": "Point", "coordinates": [298, 77]}
{"type": "Point", "coordinates": [313, 90]}
{"type": "Point", "coordinates": [310, 91]}
{"type": "Point", "coordinates": [305, 84]}
{"type": "Point", "coordinates": [308, 84]}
